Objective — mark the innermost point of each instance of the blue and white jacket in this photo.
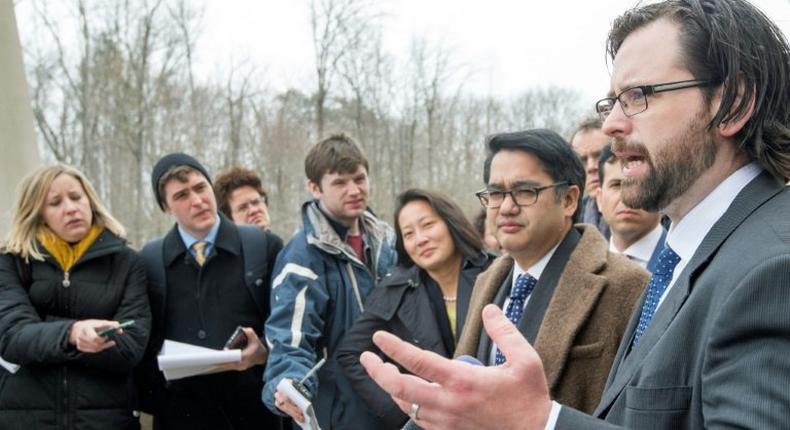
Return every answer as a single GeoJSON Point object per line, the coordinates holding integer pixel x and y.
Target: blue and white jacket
{"type": "Point", "coordinates": [318, 290]}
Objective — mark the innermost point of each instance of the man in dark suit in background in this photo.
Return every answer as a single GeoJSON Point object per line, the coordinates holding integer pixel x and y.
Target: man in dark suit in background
{"type": "Point", "coordinates": [587, 141]}
{"type": "Point", "coordinates": [558, 282]}
{"type": "Point", "coordinates": [699, 113]}
{"type": "Point", "coordinates": [636, 233]}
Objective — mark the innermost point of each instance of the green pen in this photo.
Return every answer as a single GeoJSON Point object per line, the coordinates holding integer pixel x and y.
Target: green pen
{"type": "Point", "coordinates": [108, 330]}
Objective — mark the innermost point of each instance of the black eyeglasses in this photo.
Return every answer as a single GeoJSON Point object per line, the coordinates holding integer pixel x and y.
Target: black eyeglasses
{"type": "Point", "coordinates": [521, 196]}
{"type": "Point", "coordinates": [634, 100]}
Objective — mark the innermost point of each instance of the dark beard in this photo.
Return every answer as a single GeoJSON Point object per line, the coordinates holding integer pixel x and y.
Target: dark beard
{"type": "Point", "coordinates": [681, 162]}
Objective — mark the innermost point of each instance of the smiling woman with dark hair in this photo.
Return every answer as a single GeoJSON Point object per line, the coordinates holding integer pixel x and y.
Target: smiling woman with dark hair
{"type": "Point", "coordinates": [425, 298]}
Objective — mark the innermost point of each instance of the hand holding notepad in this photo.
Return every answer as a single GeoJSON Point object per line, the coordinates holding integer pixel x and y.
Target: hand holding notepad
{"type": "Point", "coordinates": [179, 360]}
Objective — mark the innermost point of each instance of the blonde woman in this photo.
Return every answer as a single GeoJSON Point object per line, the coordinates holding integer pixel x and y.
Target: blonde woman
{"type": "Point", "coordinates": [66, 274]}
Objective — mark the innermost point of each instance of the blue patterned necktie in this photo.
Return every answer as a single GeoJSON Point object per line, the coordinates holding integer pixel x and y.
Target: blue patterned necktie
{"type": "Point", "coordinates": [525, 283]}
{"type": "Point", "coordinates": [667, 260]}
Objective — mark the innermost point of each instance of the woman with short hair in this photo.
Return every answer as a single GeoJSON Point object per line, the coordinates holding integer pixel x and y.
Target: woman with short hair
{"type": "Point", "coordinates": [66, 276]}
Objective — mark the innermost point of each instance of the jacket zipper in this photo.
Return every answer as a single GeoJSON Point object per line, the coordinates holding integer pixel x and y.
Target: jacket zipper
{"type": "Point", "coordinates": [354, 285]}
{"type": "Point", "coordinates": [66, 283]}
{"type": "Point", "coordinates": [65, 399]}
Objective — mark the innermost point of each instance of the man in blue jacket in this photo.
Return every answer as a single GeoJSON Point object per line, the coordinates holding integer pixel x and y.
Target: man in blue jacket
{"type": "Point", "coordinates": [320, 283]}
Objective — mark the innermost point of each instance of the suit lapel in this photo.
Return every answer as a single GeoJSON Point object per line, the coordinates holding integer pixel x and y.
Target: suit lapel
{"type": "Point", "coordinates": [651, 265]}
{"type": "Point", "coordinates": [484, 348]}
{"type": "Point", "coordinates": [625, 343]}
{"type": "Point", "coordinates": [484, 291]}
{"type": "Point", "coordinates": [748, 200]}
{"type": "Point", "coordinates": [573, 300]}
{"type": "Point", "coordinates": [464, 294]}
{"type": "Point", "coordinates": [538, 303]}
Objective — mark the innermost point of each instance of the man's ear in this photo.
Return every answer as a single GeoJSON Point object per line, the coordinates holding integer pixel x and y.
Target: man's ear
{"type": "Point", "coordinates": [734, 126]}
{"type": "Point", "coordinates": [314, 189]}
{"type": "Point", "coordinates": [571, 200]}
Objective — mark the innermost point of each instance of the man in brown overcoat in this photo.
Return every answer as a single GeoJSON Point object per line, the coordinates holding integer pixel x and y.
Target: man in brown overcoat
{"type": "Point", "coordinates": [559, 284]}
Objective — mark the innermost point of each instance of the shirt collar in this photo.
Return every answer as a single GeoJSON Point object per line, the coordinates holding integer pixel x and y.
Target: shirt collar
{"type": "Point", "coordinates": [210, 238]}
{"type": "Point", "coordinates": [536, 269]}
{"type": "Point", "coordinates": [641, 250]}
{"type": "Point", "coordinates": [685, 236]}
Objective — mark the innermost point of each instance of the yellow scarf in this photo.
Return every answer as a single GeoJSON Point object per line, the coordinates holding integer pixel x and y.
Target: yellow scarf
{"type": "Point", "coordinates": [63, 252]}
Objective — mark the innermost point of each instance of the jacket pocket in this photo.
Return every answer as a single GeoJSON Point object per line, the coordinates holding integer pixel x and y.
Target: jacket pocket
{"type": "Point", "coordinates": [590, 350]}
{"type": "Point", "coordinates": [657, 407]}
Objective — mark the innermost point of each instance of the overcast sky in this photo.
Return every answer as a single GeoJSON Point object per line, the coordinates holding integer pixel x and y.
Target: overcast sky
{"type": "Point", "coordinates": [505, 46]}
{"type": "Point", "coordinates": [508, 45]}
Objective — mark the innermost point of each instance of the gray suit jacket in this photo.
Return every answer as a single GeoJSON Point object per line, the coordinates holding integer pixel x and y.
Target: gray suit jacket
{"type": "Point", "coordinates": [716, 353]}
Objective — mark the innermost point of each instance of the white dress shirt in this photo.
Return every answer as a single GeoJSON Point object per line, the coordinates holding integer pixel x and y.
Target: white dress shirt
{"type": "Point", "coordinates": [210, 239]}
{"type": "Point", "coordinates": [685, 236]}
{"type": "Point", "coordinates": [640, 251]}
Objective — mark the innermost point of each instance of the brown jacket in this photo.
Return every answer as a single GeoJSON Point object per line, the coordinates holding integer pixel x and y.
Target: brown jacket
{"type": "Point", "coordinates": [584, 320]}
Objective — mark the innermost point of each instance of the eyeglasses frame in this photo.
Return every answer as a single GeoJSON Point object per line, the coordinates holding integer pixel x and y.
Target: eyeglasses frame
{"type": "Point", "coordinates": [537, 191]}
{"type": "Point", "coordinates": [649, 90]}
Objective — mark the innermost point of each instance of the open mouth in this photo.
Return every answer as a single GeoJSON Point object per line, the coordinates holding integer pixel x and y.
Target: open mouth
{"type": "Point", "coordinates": [633, 159]}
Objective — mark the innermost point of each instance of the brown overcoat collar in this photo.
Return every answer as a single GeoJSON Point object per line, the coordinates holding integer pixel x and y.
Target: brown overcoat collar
{"type": "Point", "coordinates": [574, 298]}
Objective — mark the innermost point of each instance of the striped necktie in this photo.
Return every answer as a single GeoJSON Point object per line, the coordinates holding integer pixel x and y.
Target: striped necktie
{"type": "Point", "coordinates": [200, 248]}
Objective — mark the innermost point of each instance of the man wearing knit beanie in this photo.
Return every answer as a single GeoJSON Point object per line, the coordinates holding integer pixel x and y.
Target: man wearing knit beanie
{"type": "Point", "coordinates": [168, 162]}
{"type": "Point", "coordinates": [204, 295]}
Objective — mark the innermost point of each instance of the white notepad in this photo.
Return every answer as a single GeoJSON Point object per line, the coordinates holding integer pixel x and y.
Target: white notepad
{"type": "Point", "coordinates": [310, 421]}
{"type": "Point", "coordinates": [178, 360]}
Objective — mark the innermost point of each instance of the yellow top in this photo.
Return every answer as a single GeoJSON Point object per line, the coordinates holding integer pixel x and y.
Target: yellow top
{"type": "Point", "coordinates": [450, 307]}
{"type": "Point", "coordinates": [63, 252]}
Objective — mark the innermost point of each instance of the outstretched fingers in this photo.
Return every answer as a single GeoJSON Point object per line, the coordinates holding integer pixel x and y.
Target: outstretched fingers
{"type": "Point", "coordinates": [406, 390]}
{"type": "Point", "coordinates": [426, 364]}
{"type": "Point", "coordinates": [521, 386]}
{"type": "Point", "coordinates": [405, 387]}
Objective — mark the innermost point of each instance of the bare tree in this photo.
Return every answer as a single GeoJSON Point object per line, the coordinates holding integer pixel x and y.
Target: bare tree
{"type": "Point", "coordinates": [100, 106]}
{"type": "Point", "coordinates": [336, 26]}
{"type": "Point", "coordinates": [113, 89]}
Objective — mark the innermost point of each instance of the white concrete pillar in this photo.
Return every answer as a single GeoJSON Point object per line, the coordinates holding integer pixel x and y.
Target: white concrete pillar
{"type": "Point", "coordinates": [18, 152]}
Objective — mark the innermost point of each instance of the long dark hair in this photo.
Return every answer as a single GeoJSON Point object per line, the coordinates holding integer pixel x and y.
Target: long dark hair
{"type": "Point", "coordinates": [465, 237]}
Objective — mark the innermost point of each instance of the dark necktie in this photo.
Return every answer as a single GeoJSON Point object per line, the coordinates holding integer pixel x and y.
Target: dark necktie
{"type": "Point", "coordinates": [667, 260]}
{"type": "Point", "coordinates": [525, 283]}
